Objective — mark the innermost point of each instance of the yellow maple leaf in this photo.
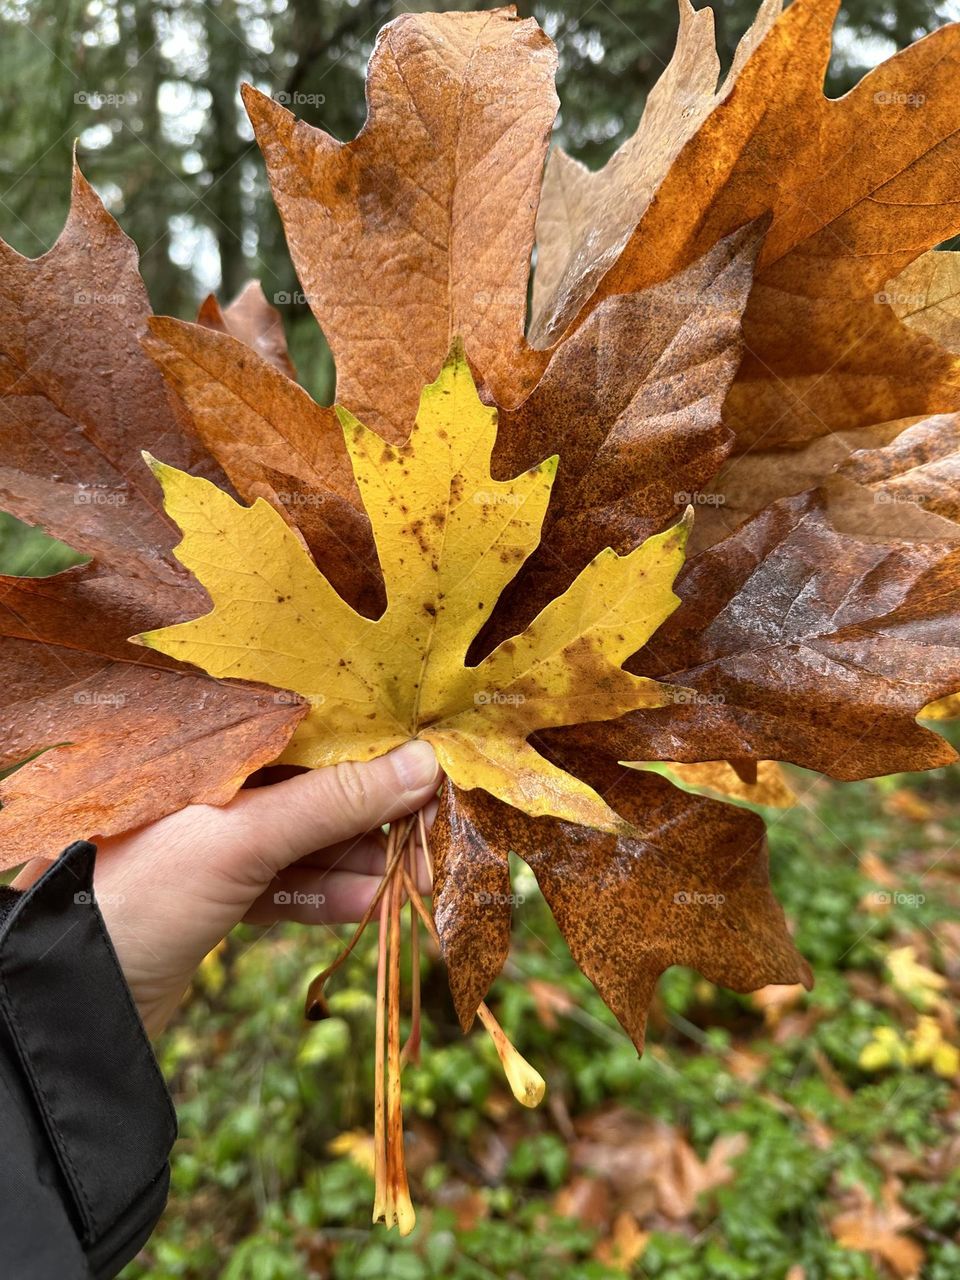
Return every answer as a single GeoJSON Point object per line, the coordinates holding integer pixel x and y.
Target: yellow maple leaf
{"type": "Point", "coordinates": [449, 539]}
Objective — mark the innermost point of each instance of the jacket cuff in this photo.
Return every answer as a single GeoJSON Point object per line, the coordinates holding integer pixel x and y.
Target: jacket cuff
{"type": "Point", "coordinates": [87, 1066]}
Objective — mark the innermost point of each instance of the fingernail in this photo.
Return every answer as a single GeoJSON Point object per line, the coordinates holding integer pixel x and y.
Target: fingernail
{"type": "Point", "coordinates": [414, 764]}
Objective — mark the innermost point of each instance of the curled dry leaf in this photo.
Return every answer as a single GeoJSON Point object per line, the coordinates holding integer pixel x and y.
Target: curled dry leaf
{"type": "Point", "coordinates": [585, 219]}
{"type": "Point", "coordinates": [858, 186]}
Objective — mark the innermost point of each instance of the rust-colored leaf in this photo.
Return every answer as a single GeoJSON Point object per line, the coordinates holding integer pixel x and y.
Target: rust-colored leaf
{"type": "Point", "coordinates": [691, 889]}
{"type": "Point", "coordinates": [252, 319]}
{"type": "Point", "coordinates": [421, 228]}
{"type": "Point", "coordinates": [79, 309]}
{"type": "Point", "coordinates": [631, 404]}
{"type": "Point", "coordinates": [274, 442]}
{"type": "Point", "coordinates": [859, 186]}
{"type": "Point", "coordinates": [806, 644]}
{"type": "Point", "coordinates": [121, 740]}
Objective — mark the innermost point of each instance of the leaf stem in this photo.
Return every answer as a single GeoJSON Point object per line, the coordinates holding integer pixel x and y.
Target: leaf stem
{"type": "Point", "coordinates": [395, 848]}
{"type": "Point", "coordinates": [526, 1084]}
{"type": "Point", "coordinates": [379, 1139]}
{"type": "Point", "coordinates": [399, 1205]}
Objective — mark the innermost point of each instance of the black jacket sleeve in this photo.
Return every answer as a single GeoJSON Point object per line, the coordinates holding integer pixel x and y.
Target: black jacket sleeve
{"type": "Point", "coordinates": [86, 1122]}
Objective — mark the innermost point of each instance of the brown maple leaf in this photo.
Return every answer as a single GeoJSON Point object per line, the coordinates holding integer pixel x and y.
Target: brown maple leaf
{"type": "Point", "coordinates": [77, 395]}
{"type": "Point", "coordinates": [858, 186]}
{"type": "Point", "coordinates": [252, 319]}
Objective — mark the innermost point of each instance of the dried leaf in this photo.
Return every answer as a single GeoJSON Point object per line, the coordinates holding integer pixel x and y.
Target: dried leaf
{"type": "Point", "coordinates": [182, 740]}
{"type": "Point", "coordinates": [67, 318]}
{"type": "Point", "coordinates": [691, 888]}
{"type": "Point", "coordinates": [859, 186]}
{"type": "Point", "coordinates": [926, 296]}
{"type": "Point", "coordinates": [878, 1229]}
{"type": "Point", "coordinates": [274, 442]}
{"type": "Point", "coordinates": [252, 319]}
{"type": "Point", "coordinates": [421, 227]}
{"type": "Point", "coordinates": [625, 1244]}
{"type": "Point", "coordinates": [921, 465]}
{"type": "Point", "coordinates": [803, 644]}
{"type": "Point", "coordinates": [74, 690]}
{"type": "Point", "coordinates": [631, 404]}
{"type": "Point", "coordinates": [585, 219]}
{"type": "Point", "coordinates": [770, 787]}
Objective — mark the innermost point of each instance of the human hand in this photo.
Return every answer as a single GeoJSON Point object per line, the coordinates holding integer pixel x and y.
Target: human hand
{"type": "Point", "coordinates": [305, 849]}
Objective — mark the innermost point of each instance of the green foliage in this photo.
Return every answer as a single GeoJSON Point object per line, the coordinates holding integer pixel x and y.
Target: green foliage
{"type": "Point", "coordinates": [28, 552]}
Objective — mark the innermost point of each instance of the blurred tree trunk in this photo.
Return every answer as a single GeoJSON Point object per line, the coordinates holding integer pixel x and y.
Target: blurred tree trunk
{"type": "Point", "coordinates": [224, 147]}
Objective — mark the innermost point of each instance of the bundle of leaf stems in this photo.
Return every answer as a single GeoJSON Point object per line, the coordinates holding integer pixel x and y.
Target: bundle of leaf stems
{"type": "Point", "coordinates": [392, 1203]}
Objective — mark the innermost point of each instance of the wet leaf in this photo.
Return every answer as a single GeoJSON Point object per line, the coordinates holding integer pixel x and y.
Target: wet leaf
{"type": "Point", "coordinates": [690, 888]}
{"type": "Point", "coordinates": [805, 644]}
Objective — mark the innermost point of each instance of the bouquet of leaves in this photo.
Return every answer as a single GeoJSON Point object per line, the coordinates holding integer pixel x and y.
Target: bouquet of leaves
{"type": "Point", "coordinates": [700, 513]}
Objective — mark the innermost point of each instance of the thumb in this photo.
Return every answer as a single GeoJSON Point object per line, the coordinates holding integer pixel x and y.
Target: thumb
{"type": "Point", "coordinates": [293, 818]}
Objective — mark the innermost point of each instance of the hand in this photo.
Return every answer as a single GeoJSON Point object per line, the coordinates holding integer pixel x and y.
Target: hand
{"type": "Point", "coordinates": [306, 849]}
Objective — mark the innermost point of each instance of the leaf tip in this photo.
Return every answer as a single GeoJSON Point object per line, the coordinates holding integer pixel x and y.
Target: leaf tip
{"type": "Point", "coordinates": [159, 470]}
{"type": "Point", "coordinates": [457, 354]}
